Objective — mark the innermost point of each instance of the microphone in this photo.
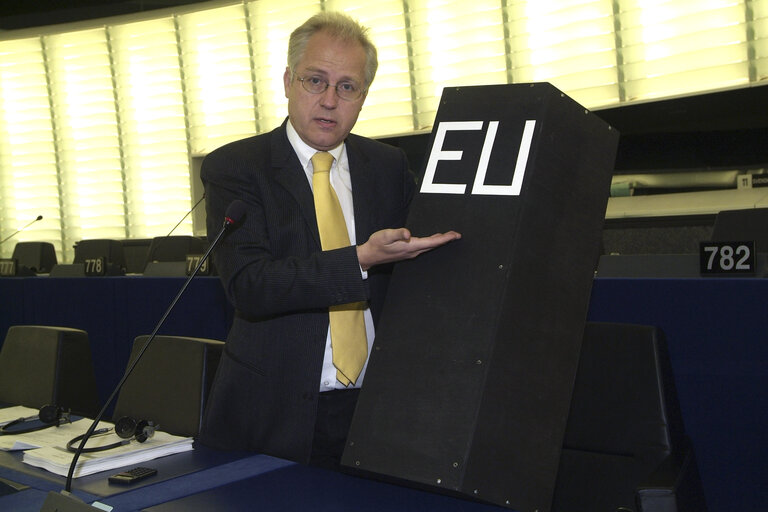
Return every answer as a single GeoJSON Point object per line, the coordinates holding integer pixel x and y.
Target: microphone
{"type": "Point", "coordinates": [65, 501]}
{"type": "Point", "coordinates": [39, 217]}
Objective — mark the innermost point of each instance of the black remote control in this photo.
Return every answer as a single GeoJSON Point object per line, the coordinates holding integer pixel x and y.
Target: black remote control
{"type": "Point", "coordinates": [132, 475]}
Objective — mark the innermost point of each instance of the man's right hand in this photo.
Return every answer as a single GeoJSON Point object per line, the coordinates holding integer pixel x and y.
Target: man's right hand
{"type": "Point", "coordinates": [390, 245]}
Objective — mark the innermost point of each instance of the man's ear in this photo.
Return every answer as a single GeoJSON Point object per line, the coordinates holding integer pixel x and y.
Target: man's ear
{"type": "Point", "coordinates": [287, 80]}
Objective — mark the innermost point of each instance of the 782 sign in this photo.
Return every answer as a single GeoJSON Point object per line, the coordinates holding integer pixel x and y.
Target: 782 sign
{"type": "Point", "coordinates": [727, 258]}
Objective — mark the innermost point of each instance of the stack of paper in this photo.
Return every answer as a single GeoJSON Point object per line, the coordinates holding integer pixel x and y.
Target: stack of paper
{"type": "Point", "coordinates": [57, 459]}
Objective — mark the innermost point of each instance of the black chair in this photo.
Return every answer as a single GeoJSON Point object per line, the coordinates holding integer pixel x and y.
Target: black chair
{"type": "Point", "coordinates": [110, 250]}
{"type": "Point", "coordinates": [742, 226]}
{"type": "Point", "coordinates": [167, 255]}
{"type": "Point", "coordinates": [625, 447]}
{"type": "Point", "coordinates": [135, 251]}
{"type": "Point", "coordinates": [44, 365]}
{"type": "Point", "coordinates": [169, 386]}
{"type": "Point", "coordinates": [34, 257]}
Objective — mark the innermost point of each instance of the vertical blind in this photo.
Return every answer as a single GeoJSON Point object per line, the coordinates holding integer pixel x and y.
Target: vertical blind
{"type": "Point", "coordinates": [98, 125]}
{"type": "Point", "coordinates": [87, 136]}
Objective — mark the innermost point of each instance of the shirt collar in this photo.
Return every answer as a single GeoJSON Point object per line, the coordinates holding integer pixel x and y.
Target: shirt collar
{"type": "Point", "coordinates": [303, 150]}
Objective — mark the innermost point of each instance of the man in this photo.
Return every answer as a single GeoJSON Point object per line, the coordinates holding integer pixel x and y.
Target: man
{"type": "Point", "coordinates": [278, 390]}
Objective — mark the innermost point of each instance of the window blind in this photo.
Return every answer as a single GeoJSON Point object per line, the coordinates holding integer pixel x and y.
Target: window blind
{"type": "Point", "coordinates": [28, 173]}
{"type": "Point", "coordinates": [87, 137]}
{"type": "Point", "coordinates": [154, 143]}
{"type": "Point", "coordinates": [448, 43]}
{"type": "Point", "coordinates": [569, 43]}
{"type": "Point", "coordinates": [672, 47]}
{"type": "Point", "coordinates": [757, 35]}
{"type": "Point", "coordinates": [218, 76]}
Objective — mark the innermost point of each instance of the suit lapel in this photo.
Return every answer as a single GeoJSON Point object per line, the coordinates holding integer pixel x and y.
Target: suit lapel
{"type": "Point", "coordinates": [289, 174]}
{"type": "Point", "coordinates": [363, 190]}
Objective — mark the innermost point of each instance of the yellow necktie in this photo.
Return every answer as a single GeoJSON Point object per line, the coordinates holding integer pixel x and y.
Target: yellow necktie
{"type": "Point", "coordinates": [348, 340]}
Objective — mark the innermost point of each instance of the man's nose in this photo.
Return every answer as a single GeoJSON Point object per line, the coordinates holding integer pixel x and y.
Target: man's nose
{"type": "Point", "coordinates": [329, 98]}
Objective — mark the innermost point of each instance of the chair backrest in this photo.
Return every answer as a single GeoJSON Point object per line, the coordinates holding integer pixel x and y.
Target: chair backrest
{"type": "Point", "coordinates": [174, 248]}
{"type": "Point", "coordinates": [170, 384]}
{"type": "Point", "coordinates": [39, 257]}
{"type": "Point", "coordinates": [167, 254]}
{"type": "Point", "coordinates": [42, 365]}
{"type": "Point", "coordinates": [135, 251]}
{"type": "Point", "coordinates": [624, 399]}
{"type": "Point", "coordinates": [742, 226]}
{"type": "Point", "coordinates": [624, 420]}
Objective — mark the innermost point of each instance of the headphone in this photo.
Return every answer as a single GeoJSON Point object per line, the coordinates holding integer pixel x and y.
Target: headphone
{"type": "Point", "coordinates": [126, 428]}
{"type": "Point", "coordinates": [49, 416]}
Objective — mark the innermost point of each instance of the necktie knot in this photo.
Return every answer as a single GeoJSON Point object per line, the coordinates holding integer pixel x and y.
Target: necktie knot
{"type": "Point", "coordinates": [322, 161]}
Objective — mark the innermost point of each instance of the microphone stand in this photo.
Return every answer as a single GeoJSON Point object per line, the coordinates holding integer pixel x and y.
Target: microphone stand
{"type": "Point", "coordinates": [39, 217]}
{"type": "Point", "coordinates": [186, 215]}
{"type": "Point", "coordinates": [161, 241]}
{"type": "Point", "coordinates": [65, 501]}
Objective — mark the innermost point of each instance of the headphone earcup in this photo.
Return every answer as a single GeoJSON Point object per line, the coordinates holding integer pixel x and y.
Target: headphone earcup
{"type": "Point", "coordinates": [125, 427]}
{"type": "Point", "coordinates": [49, 414]}
{"type": "Point", "coordinates": [144, 430]}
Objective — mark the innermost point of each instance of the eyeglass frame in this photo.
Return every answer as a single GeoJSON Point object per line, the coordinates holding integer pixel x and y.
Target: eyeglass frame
{"type": "Point", "coordinates": [328, 84]}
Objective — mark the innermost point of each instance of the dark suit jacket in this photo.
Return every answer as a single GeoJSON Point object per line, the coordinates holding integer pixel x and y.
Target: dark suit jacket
{"type": "Point", "coordinates": [264, 397]}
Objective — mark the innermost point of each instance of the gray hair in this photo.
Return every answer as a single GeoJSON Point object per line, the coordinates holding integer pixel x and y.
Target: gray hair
{"type": "Point", "coordinates": [338, 25]}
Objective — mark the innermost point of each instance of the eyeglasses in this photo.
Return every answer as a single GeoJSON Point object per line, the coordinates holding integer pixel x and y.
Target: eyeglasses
{"type": "Point", "coordinates": [346, 90]}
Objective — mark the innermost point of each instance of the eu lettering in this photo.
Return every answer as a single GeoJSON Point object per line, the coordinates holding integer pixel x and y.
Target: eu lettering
{"type": "Point", "coordinates": [478, 187]}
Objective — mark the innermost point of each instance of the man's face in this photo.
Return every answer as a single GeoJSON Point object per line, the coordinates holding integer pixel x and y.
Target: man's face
{"type": "Point", "coordinates": [324, 120]}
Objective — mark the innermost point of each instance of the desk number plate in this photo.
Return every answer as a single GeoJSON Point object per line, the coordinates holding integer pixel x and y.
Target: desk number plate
{"type": "Point", "coordinates": [193, 260]}
{"type": "Point", "coordinates": [727, 258]}
{"type": "Point", "coordinates": [95, 266]}
{"type": "Point", "coordinates": [7, 267]}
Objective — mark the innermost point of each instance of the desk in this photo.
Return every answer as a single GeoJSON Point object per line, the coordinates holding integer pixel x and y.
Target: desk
{"type": "Point", "coordinates": [300, 488]}
{"type": "Point", "coordinates": [178, 476]}
{"type": "Point", "coordinates": [717, 332]}
{"type": "Point", "coordinates": [224, 482]}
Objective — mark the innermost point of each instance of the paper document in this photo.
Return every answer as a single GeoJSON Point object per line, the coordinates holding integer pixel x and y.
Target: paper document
{"type": "Point", "coordinates": [9, 414]}
{"type": "Point", "coordinates": [51, 436]}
